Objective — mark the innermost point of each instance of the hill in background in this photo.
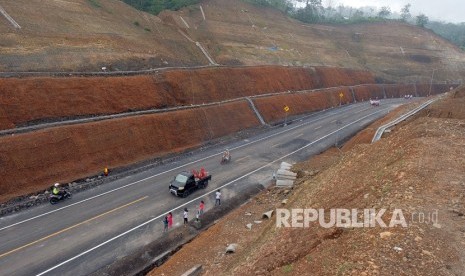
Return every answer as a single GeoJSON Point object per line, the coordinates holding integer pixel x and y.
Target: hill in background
{"type": "Point", "coordinates": [59, 35]}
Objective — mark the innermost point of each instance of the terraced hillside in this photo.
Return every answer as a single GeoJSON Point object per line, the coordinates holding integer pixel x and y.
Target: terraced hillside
{"type": "Point", "coordinates": [88, 35]}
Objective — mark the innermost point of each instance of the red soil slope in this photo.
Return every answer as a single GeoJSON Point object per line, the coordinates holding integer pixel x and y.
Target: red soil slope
{"type": "Point", "coordinates": [32, 161]}
{"type": "Point", "coordinates": [30, 99]}
{"type": "Point", "coordinates": [272, 110]}
{"type": "Point", "coordinates": [366, 92]}
{"type": "Point", "coordinates": [271, 107]}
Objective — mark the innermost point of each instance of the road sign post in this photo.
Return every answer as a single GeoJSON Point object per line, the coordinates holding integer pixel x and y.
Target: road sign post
{"type": "Point", "coordinates": [286, 110]}
{"type": "Point", "coordinates": [340, 98]}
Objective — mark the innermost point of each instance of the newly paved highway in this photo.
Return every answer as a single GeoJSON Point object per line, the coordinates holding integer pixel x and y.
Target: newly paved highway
{"type": "Point", "coordinates": [98, 226]}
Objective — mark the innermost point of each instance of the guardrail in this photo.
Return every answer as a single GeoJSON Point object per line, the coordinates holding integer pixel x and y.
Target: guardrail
{"type": "Point", "coordinates": [383, 128]}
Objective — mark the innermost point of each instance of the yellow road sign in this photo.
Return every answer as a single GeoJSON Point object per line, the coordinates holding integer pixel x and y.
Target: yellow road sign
{"type": "Point", "coordinates": [286, 108]}
{"type": "Point", "coordinates": [341, 95]}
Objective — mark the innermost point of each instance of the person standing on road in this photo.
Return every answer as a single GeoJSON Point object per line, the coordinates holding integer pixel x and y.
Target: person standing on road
{"type": "Point", "coordinates": [170, 220]}
{"type": "Point", "coordinates": [218, 198]}
{"type": "Point", "coordinates": [201, 208]}
{"type": "Point", "coordinates": [186, 215]}
{"type": "Point", "coordinates": [165, 224]}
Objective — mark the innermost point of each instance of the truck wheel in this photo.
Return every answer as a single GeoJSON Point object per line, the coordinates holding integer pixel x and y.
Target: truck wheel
{"type": "Point", "coordinates": [185, 194]}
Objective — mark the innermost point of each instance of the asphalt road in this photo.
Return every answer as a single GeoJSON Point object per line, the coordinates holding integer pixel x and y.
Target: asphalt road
{"type": "Point", "coordinates": [98, 226]}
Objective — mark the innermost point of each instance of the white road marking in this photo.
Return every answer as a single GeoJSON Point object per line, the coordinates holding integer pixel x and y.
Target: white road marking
{"type": "Point", "coordinates": [197, 198]}
{"type": "Point", "coordinates": [179, 167]}
{"type": "Point", "coordinates": [243, 158]}
{"type": "Point", "coordinates": [318, 127]}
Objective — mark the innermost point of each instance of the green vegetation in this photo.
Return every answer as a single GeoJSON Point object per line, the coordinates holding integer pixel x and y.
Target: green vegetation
{"type": "Point", "coordinates": [136, 23]}
{"type": "Point", "coordinates": [287, 268]}
{"type": "Point", "coordinates": [345, 268]}
{"type": "Point", "coordinates": [313, 11]}
{"type": "Point", "coordinates": [282, 5]}
{"type": "Point", "coordinates": [156, 6]}
{"type": "Point", "coordinates": [422, 20]}
{"type": "Point", "coordinates": [95, 3]}
{"type": "Point", "coordinates": [452, 32]}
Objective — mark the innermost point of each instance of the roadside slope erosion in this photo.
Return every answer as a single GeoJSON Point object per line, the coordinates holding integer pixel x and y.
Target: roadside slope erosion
{"type": "Point", "coordinates": [417, 168]}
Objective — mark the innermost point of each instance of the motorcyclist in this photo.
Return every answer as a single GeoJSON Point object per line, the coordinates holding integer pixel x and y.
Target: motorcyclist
{"type": "Point", "coordinates": [57, 190]}
{"type": "Point", "coordinates": [226, 155]}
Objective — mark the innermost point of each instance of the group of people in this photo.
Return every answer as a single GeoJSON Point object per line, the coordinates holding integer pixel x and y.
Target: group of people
{"type": "Point", "coordinates": [168, 219]}
{"type": "Point", "coordinates": [200, 174]}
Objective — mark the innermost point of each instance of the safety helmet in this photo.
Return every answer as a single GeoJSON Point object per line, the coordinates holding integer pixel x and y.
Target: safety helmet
{"type": "Point", "coordinates": [56, 184]}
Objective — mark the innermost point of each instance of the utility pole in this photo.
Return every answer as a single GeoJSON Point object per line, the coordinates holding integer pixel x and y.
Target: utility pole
{"type": "Point", "coordinates": [431, 83]}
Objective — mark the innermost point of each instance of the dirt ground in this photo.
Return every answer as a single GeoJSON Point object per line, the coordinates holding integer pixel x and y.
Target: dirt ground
{"type": "Point", "coordinates": [84, 35]}
{"type": "Point", "coordinates": [30, 100]}
{"type": "Point", "coordinates": [418, 168]}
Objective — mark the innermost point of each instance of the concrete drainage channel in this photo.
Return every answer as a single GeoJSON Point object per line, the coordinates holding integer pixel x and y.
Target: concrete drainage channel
{"type": "Point", "coordinates": [159, 251]}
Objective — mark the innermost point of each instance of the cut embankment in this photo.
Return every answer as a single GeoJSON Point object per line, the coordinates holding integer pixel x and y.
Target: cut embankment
{"type": "Point", "coordinates": [33, 100]}
{"type": "Point", "coordinates": [272, 107]}
{"type": "Point", "coordinates": [32, 161]}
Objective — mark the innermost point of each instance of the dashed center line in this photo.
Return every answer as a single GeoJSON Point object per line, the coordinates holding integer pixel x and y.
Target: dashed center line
{"type": "Point", "coordinates": [318, 127]}
{"type": "Point", "coordinates": [242, 158]}
{"type": "Point", "coordinates": [71, 227]}
{"type": "Point", "coordinates": [275, 145]}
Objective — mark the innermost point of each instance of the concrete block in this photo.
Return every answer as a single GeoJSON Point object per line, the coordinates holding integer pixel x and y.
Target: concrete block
{"type": "Point", "coordinates": [284, 183]}
{"type": "Point", "coordinates": [285, 172]}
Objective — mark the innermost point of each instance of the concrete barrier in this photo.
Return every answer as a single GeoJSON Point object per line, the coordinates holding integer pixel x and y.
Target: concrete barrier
{"type": "Point", "coordinates": [195, 271]}
{"type": "Point", "coordinates": [284, 176]}
{"type": "Point", "coordinates": [284, 183]}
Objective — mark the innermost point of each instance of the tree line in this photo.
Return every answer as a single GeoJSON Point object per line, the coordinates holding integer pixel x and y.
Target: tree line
{"type": "Point", "coordinates": [313, 11]}
{"type": "Point", "coordinates": [156, 6]}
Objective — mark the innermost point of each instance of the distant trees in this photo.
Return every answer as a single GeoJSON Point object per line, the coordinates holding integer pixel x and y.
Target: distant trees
{"type": "Point", "coordinates": [156, 6]}
{"type": "Point", "coordinates": [453, 32]}
{"type": "Point", "coordinates": [405, 13]}
{"type": "Point", "coordinates": [311, 13]}
{"type": "Point", "coordinates": [422, 20]}
{"type": "Point", "coordinates": [384, 12]}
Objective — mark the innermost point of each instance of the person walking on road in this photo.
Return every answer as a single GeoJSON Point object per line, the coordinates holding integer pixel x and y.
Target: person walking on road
{"type": "Point", "coordinates": [218, 198]}
{"type": "Point", "coordinates": [186, 215]}
{"type": "Point", "coordinates": [170, 220]}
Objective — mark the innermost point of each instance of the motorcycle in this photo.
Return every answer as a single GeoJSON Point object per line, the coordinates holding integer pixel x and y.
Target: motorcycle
{"type": "Point", "coordinates": [54, 199]}
{"type": "Point", "coordinates": [225, 159]}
